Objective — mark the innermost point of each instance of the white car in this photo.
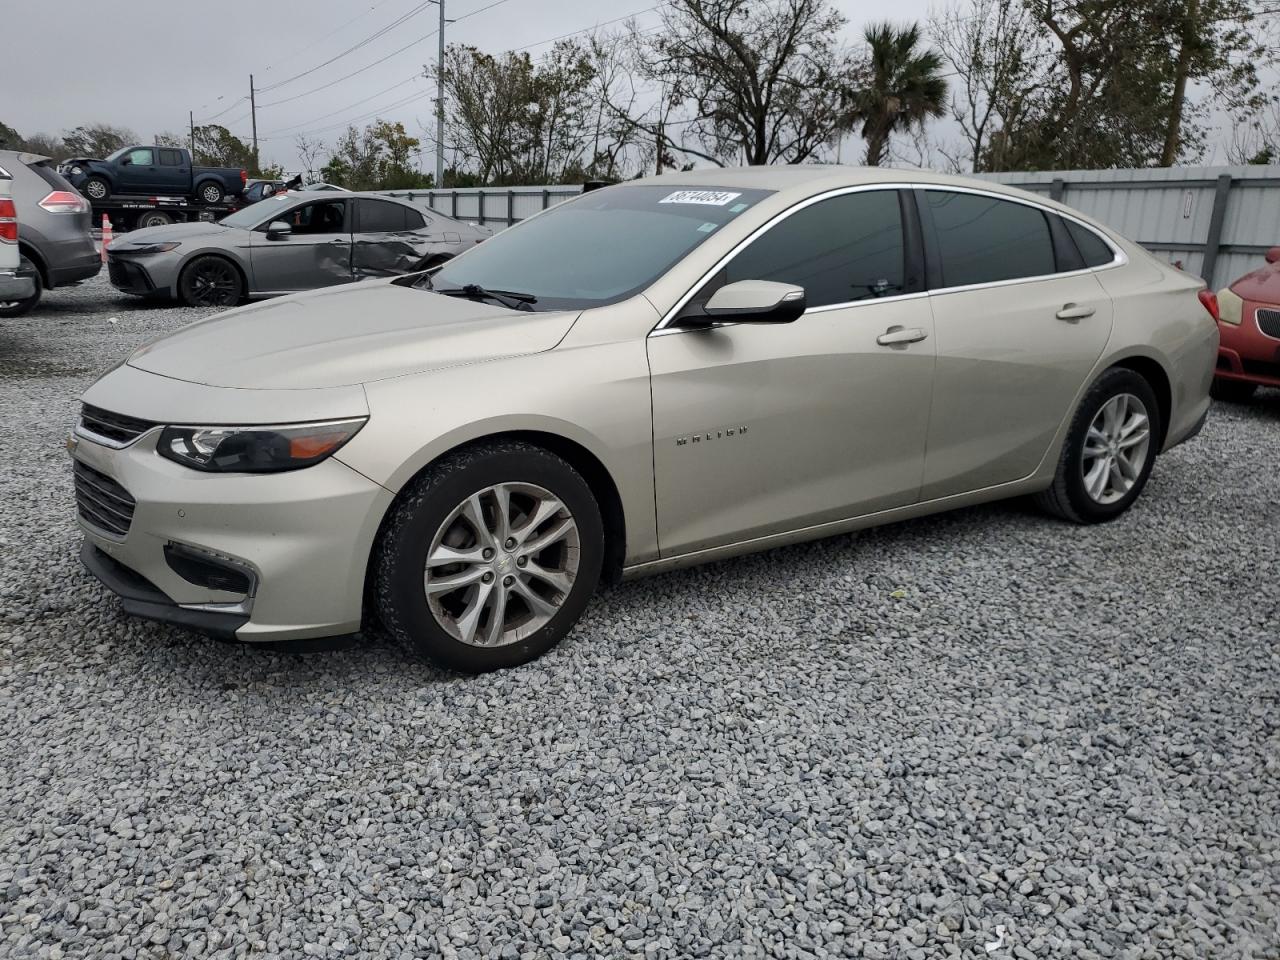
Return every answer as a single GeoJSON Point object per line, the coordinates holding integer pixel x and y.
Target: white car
{"type": "Point", "coordinates": [14, 288]}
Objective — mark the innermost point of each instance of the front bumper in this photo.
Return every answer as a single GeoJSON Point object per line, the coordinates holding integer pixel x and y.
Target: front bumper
{"type": "Point", "coordinates": [1246, 353]}
{"type": "Point", "coordinates": [129, 276]}
{"type": "Point", "coordinates": [304, 537]}
{"type": "Point", "coordinates": [15, 286]}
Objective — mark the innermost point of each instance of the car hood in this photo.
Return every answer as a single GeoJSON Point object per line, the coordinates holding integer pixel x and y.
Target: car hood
{"type": "Point", "coordinates": [174, 231]}
{"type": "Point", "coordinates": [346, 335]}
{"type": "Point", "coordinates": [1260, 286]}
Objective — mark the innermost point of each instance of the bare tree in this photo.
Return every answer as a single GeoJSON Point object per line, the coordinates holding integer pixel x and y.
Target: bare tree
{"type": "Point", "coordinates": [749, 81]}
{"type": "Point", "coordinates": [310, 150]}
{"type": "Point", "coordinates": [1001, 62]}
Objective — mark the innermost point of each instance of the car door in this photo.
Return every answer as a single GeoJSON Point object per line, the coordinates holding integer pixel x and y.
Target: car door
{"type": "Point", "coordinates": [390, 238]}
{"type": "Point", "coordinates": [316, 252]}
{"type": "Point", "coordinates": [1019, 323]}
{"type": "Point", "coordinates": [759, 429]}
{"type": "Point", "coordinates": [173, 173]}
{"type": "Point", "coordinates": [138, 171]}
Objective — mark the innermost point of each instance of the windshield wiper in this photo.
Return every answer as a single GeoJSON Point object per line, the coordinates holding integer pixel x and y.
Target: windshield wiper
{"type": "Point", "coordinates": [508, 298]}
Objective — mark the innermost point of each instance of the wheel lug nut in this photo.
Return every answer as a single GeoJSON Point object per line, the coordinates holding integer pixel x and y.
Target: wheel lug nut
{"type": "Point", "coordinates": [487, 578]}
{"type": "Point", "coordinates": [521, 561]}
{"type": "Point", "coordinates": [488, 553]}
{"type": "Point", "coordinates": [508, 581]}
{"type": "Point", "coordinates": [511, 542]}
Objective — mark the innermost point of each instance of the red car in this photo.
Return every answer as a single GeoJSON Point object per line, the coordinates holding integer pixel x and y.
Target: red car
{"type": "Point", "coordinates": [1249, 324]}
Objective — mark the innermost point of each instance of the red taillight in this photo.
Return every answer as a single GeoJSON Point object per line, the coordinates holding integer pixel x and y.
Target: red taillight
{"type": "Point", "coordinates": [244, 176]}
{"type": "Point", "coordinates": [8, 221]}
{"type": "Point", "coordinates": [1210, 301]}
{"type": "Point", "coordinates": [64, 201]}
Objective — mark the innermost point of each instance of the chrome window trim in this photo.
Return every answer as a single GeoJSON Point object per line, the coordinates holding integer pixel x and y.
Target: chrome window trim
{"type": "Point", "coordinates": [664, 325]}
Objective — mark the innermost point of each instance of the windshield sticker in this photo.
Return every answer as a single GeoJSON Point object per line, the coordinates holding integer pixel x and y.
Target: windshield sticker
{"type": "Point", "coordinates": [711, 198]}
{"type": "Point", "coordinates": [738, 207]}
{"type": "Point", "coordinates": [706, 228]}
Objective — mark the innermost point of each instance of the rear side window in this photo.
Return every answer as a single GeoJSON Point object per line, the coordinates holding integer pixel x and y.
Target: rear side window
{"type": "Point", "coordinates": [413, 220]}
{"type": "Point", "coordinates": [379, 216]}
{"type": "Point", "coordinates": [984, 240]}
{"type": "Point", "coordinates": [170, 158]}
{"type": "Point", "coordinates": [842, 249]}
{"type": "Point", "coordinates": [1092, 247]}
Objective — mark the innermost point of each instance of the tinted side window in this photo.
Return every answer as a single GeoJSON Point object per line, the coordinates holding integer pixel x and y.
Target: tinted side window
{"type": "Point", "coordinates": [170, 158]}
{"type": "Point", "coordinates": [982, 239]}
{"type": "Point", "coordinates": [1092, 247]}
{"type": "Point", "coordinates": [324, 217]}
{"type": "Point", "coordinates": [413, 220]}
{"type": "Point", "coordinates": [378, 216]}
{"type": "Point", "coordinates": [846, 248]}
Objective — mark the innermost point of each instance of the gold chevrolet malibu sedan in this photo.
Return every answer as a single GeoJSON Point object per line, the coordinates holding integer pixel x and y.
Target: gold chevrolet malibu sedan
{"type": "Point", "coordinates": [655, 374]}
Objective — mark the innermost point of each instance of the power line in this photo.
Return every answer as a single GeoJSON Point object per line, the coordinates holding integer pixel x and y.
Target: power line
{"type": "Point", "coordinates": [350, 106]}
{"type": "Point", "coordinates": [412, 98]}
{"type": "Point", "coordinates": [596, 26]}
{"type": "Point", "coordinates": [336, 30]}
{"type": "Point", "coordinates": [351, 49]}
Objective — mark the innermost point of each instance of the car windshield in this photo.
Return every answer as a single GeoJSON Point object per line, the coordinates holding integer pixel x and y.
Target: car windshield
{"type": "Point", "coordinates": [599, 248]}
{"type": "Point", "coordinates": [117, 154]}
{"type": "Point", "coordinates": [267, 209]}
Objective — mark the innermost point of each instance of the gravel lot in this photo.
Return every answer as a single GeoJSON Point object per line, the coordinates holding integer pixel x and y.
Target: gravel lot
{"type": "Point", "coordinates": [985, 734]}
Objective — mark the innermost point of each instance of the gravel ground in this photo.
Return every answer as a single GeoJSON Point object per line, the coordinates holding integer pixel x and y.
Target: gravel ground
{"type": "Point", "coordinates": [985, 734]}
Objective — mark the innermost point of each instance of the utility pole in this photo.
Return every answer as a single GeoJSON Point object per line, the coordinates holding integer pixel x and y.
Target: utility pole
{"type": "Point", "coordinates": [662, 116]}
{"type": "Point", "coordinates": [440, 104]}
{"type": "Point", "coordinates": [253, 110]}
{"type": "Point", "coordinates": [191, 119]}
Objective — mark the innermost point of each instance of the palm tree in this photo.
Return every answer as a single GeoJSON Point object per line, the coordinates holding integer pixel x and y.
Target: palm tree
{"type": "Point", "coordinates": [904, 87]}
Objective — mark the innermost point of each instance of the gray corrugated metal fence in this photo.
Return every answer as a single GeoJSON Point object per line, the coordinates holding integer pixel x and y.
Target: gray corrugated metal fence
{"type": "Point", "coordinates": [1216, 221]}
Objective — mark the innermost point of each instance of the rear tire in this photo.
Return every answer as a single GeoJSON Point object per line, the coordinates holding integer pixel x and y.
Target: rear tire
{"type": "Point", "coordinates": [1109, 452]}
{"type": "Point", "coordinates": [1232, 391]}
{"type": "Point", "coordinates": [485, 622]}
{"type": "Point", "coordinates": [96, 188]}
{"type": "Point", "coordinates": [210, 192]}
{"type": "Point", "coordinates": [210, 281]}
{"type": "Point", "coordinates": [16, 308]}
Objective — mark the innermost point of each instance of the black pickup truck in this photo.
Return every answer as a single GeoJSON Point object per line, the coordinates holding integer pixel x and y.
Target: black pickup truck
{"type": "Point", "coordinates": [140, 169]}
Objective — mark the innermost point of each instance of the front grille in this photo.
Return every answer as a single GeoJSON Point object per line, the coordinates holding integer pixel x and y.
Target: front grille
{"type": "Point", "coordinates": [1269, 321]}
{"type": "Point", "coordinates": [115, 427]}
{"type": "Point", "coordinates": [101, 501]}
{"type": "Point", "coordinates": [128, 276]}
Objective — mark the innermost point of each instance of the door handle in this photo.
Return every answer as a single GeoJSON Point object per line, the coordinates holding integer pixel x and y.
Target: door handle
{"type": "Point", "coordinates": [1071, 311]}
{"type": "Point", "coordinates": [895, 336]}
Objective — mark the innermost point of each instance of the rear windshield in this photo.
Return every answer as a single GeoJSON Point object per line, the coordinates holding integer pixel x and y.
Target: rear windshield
{"type": "Point", "coordinates": [601, 247]}
{"type": "Point", "coordinates": [44, 169]}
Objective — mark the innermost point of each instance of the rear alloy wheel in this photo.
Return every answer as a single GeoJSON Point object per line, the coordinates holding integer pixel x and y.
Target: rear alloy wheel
{"type": "Point", "coordinates": [1232, 391]}
{"type": "Point", "coordinates": [210, 282]}
{"type": "Point", "coordinates": [211, 193]}
{"type": "Point", "coordinates": [479, 570]}
{"type": "Point", "coordinates": [1109, 452]}
{"type": "Point", "coordinates": [16, 308]}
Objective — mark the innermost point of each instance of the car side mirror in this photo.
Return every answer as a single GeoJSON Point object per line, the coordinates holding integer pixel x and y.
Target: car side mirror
{"type": "Point", "coordinates": [125, 161]}
{"type": "Point", "coordinates": [279, 230]}
{"type": "Point", "coordinates": [756, 301]}
{"type": "Point", "coordinates": [1273, 255]}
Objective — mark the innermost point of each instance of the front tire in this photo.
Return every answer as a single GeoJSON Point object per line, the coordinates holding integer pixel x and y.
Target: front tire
{"type": "Point", "coordinates": [16, 308]}
{"type": "Point", "coordinates": [489, 557]}
{"type": "Point", "coordinates": [211, 193]}
{"type": "Point", "coordinates": [1109, 452]}
{"type": "Point", "coordinates": [1232, 391]}
{"type": "Point", "coordinates": [96, 188]}
{"type": "Point", "coordinates": [210, 282]}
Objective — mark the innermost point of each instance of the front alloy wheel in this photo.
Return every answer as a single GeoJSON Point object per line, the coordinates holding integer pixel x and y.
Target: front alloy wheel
{"type": "Point", "coordinates": [501, 564]}
{"type": "Point", "coordinates": [211, 282]}
{"type": "Point", "coordinates": [489, 556]}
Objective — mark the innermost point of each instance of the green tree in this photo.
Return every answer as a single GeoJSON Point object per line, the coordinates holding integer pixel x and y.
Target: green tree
{"type": "Point", "coordinates": [380, 157]}
{"type": "Point", "coordinates": [903, 90]}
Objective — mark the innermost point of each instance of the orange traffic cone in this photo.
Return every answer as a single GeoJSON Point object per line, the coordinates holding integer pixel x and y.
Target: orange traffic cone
{"type": "Point", "coordinates": [106, 235]}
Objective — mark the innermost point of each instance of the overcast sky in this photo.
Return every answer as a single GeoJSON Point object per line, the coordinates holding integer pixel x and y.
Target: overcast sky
{"type": "Point", "coordinates": [145, 63]}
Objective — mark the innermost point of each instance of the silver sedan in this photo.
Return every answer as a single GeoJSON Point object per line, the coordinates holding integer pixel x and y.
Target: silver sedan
{"type": "Point", "coordinates": [285, 244]}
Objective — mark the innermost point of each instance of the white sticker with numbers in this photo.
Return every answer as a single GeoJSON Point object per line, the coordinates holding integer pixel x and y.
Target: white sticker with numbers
{"type": "Point", "coordinates": [710, 198]}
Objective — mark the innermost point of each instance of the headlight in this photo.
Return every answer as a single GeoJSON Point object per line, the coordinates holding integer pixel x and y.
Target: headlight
{"type": "Point", "coordinates": [147, 248]}
{"type": "Point", "coordinates": [76, 171]}
{"type": "Point", "coordinates": [290, 446]}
